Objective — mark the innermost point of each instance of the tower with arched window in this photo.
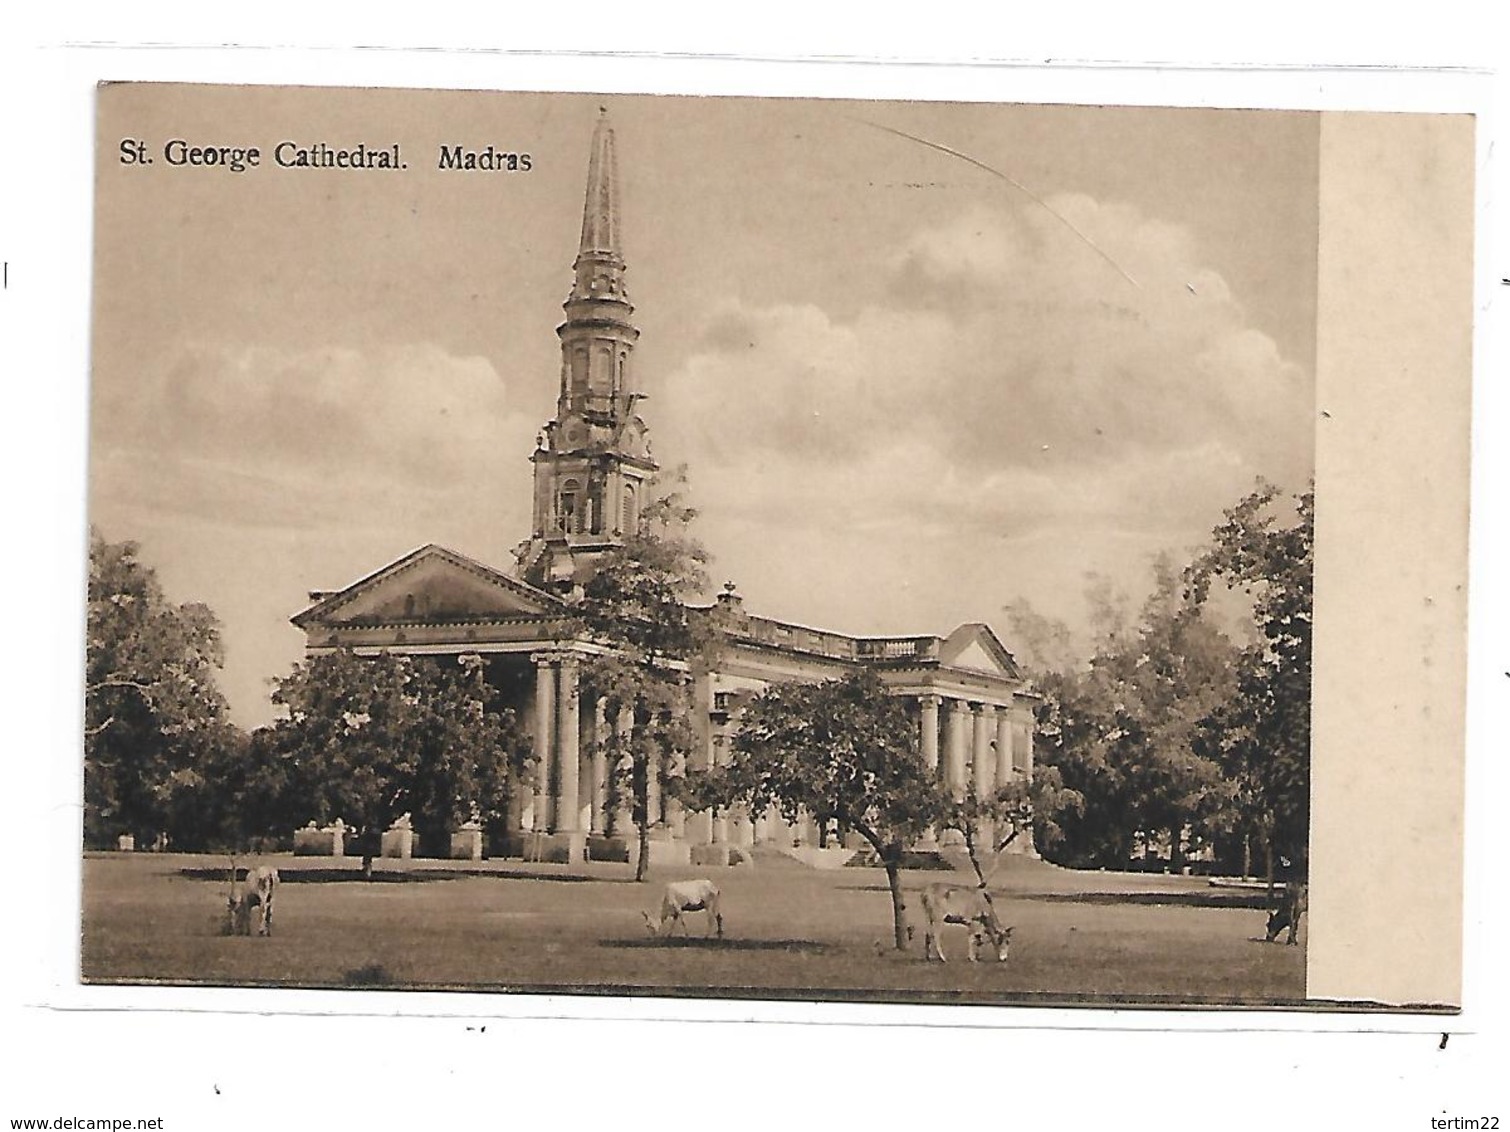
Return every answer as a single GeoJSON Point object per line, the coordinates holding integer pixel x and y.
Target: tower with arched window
{"type": "Point", "coordinates": [592, 460]}
{"type": "Point", "coordinates": [967, 697]}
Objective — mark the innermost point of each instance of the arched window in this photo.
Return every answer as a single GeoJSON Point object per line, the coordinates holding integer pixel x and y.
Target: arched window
{"type": "Point", "coordinates": [631, 515]}
{"type": "Point", "coordinates": [566, 507]}
{"type": "Point", "coordinates": [595, 505]}
{"type": "Point", "coordinates": [579, 368]}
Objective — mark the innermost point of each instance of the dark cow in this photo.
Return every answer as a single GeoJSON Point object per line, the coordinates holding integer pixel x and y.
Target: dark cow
{"type": "Point", "coordinates": [1292, 906]}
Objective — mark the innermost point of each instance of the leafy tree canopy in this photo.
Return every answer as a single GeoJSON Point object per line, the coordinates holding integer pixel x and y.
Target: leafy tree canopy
{"type": "Point", "coordinates": [844, 751]}
{"type": "Point", "coordinates": [1265, 547]}
{"type": "Point", "coordinates": [1169, 726]}
{"type": "Point", "coordinates": [152, 704]}
{"type": "Point", "coordinates": [1128, 733]}
{"type": "Point", "coordinates": [637, 603]}
{"type": "Point", "coordinates": [368, 739]}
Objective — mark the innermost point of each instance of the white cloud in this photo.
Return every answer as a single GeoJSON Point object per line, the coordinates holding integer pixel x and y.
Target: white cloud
{"type": "Point", "coordinates": [252, 475]}
{"type": "Point", "coordinates": [258, 435]}
{"type": "Point", "coordinates": [1013, 385]}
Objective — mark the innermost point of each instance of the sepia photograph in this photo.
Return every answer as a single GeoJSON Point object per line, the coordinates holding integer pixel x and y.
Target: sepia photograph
{"type": "Point", "coordinates": [772, 548]}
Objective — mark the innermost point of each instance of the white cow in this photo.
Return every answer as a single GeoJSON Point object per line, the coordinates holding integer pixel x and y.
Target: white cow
{"type": "Point", "coordinates": [687, 896]}
{"type": "Point", "coordinates": [962, 904]}
{"type": "Point", "coordinates": [253, 901]}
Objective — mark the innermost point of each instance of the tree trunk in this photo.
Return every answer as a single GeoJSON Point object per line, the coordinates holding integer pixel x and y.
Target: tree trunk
{"type": "Point", "coordinates": [970, 849]}
{"type": "Point", "coordinates": [1269, 866]}
{"type": "Point", "coordinates": [891, 856]}
{"type": "Point", "coordinates": [642, 865]}
{"type": "Point", "coordinates": [641, 785]}
{"type": "Point", "coordinates": [371, 846]}
{"type": "Point", "coordinates": [1176, 848]}
{"type": "Point", "coordinates": [1247, 855]}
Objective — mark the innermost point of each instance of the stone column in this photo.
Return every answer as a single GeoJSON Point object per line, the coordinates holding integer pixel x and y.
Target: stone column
{"type": "Point", "coordinates": [568, 750]}
{"type": "Point", "coordinates": [928, 746]}
{"type": "Point", "coordinates": [983, 763]}
{"type": "Point", "coordinates": [956, 717]}
{"type": "Point", "coordinates": [982, 758]}
{"type": "Point", "coordinates": [928, 730]}
{"type": "Point", "coordinates": [545, 720]}
{"type": "Point", "coordinates": [586, 743]}
{"type": "Point", "coordinates": [598, 818]}
{"type": "Point", "coordinates": [700, 824]}
{"type": "Point", "coordinates": [1004, 737]}
{"type": "Point", "coordinates": [623, 823]}
{"type": "Point", "coordinates": [1024, 736]}
{"type": "Point", "coordinates": [719, 823]}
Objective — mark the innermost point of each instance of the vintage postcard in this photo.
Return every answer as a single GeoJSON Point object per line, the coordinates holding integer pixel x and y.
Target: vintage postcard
{"type": "Point", "coordinates": [900, 552]}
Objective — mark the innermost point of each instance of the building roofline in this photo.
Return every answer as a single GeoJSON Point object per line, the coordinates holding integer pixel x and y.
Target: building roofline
{"type": "Point", "coordinates": [334, 599]}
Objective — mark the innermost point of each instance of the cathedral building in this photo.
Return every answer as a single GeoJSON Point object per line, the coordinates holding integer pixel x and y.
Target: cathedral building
{"type": "Point", "coordinates": [592, 465]}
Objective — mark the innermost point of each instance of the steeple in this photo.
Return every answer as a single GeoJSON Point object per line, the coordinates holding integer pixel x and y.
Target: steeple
{"type": "Point", "coordinates": [592, 460]}
{"type": "Point", "coordinates": [600, 258]}
{"type": "Point", "coordinates": [597, 337]}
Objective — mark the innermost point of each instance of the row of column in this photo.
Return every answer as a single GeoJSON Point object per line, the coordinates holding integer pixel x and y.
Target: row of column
{"type": "Point", "coordinates": [575, 789]}
{"type": "Point", "coordinates": [979, 741]}
{"type": "Point", "coordinates": [558, 802]}
{"type": "Point", "coordinates": [970, 745]}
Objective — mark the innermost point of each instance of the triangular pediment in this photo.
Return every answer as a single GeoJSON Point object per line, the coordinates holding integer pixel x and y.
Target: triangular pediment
{"type": "Point", "coordinates": [975, 648]}
{"type": "Point", "coordinates": [432, 585]}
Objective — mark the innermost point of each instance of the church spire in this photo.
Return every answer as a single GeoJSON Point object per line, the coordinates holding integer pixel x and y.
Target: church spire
{"type": "Point", "coordinates": [593, 461]}
{"type": "Point", "coordinates": [600, 260]}
{"type": "Point", "coordinates": [600, 217]}
{"type": "Point", "coordinates": [597, 338]}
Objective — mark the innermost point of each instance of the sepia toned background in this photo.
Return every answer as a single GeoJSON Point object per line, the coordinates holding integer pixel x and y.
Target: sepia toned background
{"type": "Point", "coordinates": [858, 344]}
{"type": "Point", "coordinates": [880, 362]}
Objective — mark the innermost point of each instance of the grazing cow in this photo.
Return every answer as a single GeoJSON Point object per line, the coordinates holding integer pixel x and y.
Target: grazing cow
{"type": "Point", "coordinates": [255, 900]}
{"type": "Point", "coordinates": [1292, 906]}
{"type": "Point", "coordinates": [687, 896]}
{"type": "Point", "coordinates": [961, 904]}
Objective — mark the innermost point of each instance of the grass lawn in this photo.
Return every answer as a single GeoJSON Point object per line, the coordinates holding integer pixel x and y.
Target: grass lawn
{"type": "Point", "coordinates": [790, 932]}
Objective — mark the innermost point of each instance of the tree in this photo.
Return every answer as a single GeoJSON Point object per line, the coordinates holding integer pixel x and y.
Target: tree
{"type": "Point", "coordinates": [1171, 726]}
{"type": "Point", "coordinates": [1129, 733]}
{"type": "Point", "coordinates": [152, 705]}
{"type": "Point", "coordinates": [844, 751]}
{"type": "Point", "coordinates": [1070, 745]}
{"type": "Point", "coordinates": [988, 825]}
{"type": "Point", "coordinates": [368, 739]}
{"type": "Point", "coordinates": [1176, 671]}
{"type": "Point", "coordinates": [1265, 728]}
{"type": "Point", "coordinates": [251, 800]}
{"type": "Point", "coordinates": [636, 603]}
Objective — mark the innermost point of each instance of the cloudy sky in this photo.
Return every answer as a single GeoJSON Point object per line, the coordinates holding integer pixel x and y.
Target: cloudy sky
{"type": "Point", "coordinates": [909, 391]}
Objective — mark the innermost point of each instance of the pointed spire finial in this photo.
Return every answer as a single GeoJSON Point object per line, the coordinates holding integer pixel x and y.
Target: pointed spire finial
{"type": "Point", "coordinates": [600, 212]}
